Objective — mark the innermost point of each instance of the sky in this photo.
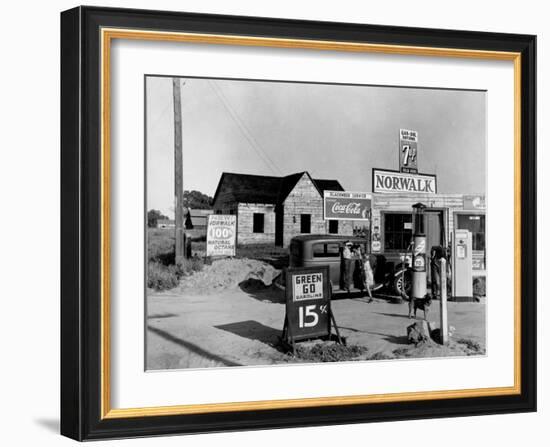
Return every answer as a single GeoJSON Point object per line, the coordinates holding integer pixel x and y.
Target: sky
{"type": "Point", "coordinates": [332, 131]}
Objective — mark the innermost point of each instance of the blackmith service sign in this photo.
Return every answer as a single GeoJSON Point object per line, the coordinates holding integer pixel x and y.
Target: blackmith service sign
{"type": "Point", "coordinates": [386, 181]}
{"type": "Point", "coordinates": [346, 205]}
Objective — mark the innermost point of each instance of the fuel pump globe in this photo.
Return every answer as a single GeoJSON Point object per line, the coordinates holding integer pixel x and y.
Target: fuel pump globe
{"type": "Point", "coordinates": [418, 213]}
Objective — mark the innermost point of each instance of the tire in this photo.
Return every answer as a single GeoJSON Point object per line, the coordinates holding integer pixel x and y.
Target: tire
{"type": "Point", "coordinates": [398, 280]}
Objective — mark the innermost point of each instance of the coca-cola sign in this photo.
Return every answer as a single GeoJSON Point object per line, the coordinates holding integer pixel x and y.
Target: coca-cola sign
{"type": "Point", "coordinates": [345, 205]}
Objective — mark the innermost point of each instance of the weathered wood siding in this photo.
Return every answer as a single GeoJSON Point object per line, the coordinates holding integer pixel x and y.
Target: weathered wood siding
{"type": "Point", "coordinates": [305, 199]}
{"type": "Point", "coordinates": [245, 222]}
{"type": "Point", "coordinates": [227, 208]}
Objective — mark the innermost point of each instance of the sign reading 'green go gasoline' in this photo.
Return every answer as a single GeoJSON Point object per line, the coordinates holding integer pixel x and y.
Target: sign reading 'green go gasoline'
{"type": "Point", "coordinates": [307, 303]}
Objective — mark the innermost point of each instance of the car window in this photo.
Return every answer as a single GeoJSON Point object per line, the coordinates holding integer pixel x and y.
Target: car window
{"type": "Point", "coordinates": [327, 250]}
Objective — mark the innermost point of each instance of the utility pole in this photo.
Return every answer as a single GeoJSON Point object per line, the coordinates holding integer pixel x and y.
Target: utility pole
{"type": "Point", "coordinates": [178, 175]}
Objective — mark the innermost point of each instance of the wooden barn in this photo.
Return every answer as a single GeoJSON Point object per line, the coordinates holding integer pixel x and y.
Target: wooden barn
{"type": "Point", "coordinates": [272, 210]}
{"type": "Point", "coordinates": [198, 219]}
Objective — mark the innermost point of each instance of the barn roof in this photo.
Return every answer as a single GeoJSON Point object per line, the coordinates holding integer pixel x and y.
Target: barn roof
{"type": "Point", "coordinates": [195, 212]}
{"type": "Point", "coordinates": [328, 185]}
{"type": "Point", "coordinates": [246, 188]}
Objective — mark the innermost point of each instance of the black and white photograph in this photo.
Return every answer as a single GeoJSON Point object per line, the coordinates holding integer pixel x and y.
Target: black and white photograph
{"type": "Point", "coordinates": [275, 223]}
{"type": "Point", "coordinates": [295, 222]}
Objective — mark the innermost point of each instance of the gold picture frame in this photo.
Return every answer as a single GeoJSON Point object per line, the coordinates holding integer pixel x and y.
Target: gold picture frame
{"type": "Point", "coordinates": [103, 26]}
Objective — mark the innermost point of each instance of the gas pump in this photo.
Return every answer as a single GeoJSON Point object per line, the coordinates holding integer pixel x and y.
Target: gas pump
{"type": "Point", "coordinates": [462, 265]}
{"type": "Point", "coordinates": [419, 253]}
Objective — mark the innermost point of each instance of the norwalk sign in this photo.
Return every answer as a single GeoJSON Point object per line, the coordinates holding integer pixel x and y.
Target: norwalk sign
{"type": "Point", "coordinates": [394, 182]}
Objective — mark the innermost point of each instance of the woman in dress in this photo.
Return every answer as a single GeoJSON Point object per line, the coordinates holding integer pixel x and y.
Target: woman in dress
{"type": "Point", "coordinates": [368, 275]}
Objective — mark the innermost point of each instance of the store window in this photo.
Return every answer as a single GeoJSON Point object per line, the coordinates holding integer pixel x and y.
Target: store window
{"type": "Point", "coordinates": [475, 223]}
{"type": "Point", "coordinates": [397, 231]}
{"type": "Point", "coordinates": [305, 223]}
{"type": "Point", "coordinates": [258, 223]}
{"type": "Point", "coordinates": [333, 226]}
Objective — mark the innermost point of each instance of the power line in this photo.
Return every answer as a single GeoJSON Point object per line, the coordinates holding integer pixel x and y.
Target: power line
{"type": "Point", "coordinates": [248, 135]}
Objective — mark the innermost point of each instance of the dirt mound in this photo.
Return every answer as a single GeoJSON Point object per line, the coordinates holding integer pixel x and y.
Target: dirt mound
{"type": "Point", "coordinates": [329, 352]}
{"type": "Point", "coordinates": [433, 349]}
{"type": "Point", "coordinates": [227, 274]}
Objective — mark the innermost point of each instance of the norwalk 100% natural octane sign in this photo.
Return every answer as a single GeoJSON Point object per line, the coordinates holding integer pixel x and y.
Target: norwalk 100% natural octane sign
{"type": "Point", "coordinates": [221, 235]}
{"type": "Point", "coordinates": [308, 313]}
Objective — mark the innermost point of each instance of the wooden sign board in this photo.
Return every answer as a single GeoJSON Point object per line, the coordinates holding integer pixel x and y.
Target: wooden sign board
{"type": "Point", "coordinates": [387, 181]}
{"type": "Point", "coordinates": [408, 151]}
{"type": "Point", "coordinates": [347, 205]}
{"type": "Point", "coordinates": [308, 312]}
{"type": "Point", "coordinates": [221, 235]}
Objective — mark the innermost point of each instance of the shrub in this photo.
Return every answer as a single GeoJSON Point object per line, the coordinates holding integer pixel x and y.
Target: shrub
{"type": "Point", "coordinates": [161, 246]}
{"type": "Point", "coordinates": [162, 277]}
{"type": "Point", "coordinates": [162, 273]}
{"type": "Point", "coordinates": [470, 344]}
{"type": "Point", "coordinates": [380, 356]}
{"type": "Point", "coordinates": [323, 352]}
{"type": "Point", "coordinates": [479, 286]}
{"type": "Point", "coordinates": [193, 264]}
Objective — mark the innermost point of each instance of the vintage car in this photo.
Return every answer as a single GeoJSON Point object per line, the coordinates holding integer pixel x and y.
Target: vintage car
{"type": "Point", "coordinates": [323, 249]}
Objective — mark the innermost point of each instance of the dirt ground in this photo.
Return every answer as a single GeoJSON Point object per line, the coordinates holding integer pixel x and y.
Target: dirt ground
{"type": "Point", "coordinates": [241, 325]}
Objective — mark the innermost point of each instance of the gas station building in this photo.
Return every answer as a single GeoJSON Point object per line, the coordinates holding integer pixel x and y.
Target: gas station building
{"type": "Point", "coordinates": [392, 223]}
{"type": "Point", "coordinates": [272, 210]}
{"type": "Point", "coordinates": [390, 228]}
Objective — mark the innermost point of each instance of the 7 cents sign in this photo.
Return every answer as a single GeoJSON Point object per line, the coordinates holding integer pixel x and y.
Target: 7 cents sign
{"type": "Point", "coordinates": [408, 151]}
{"type": "Point", "coordinates": [221, 235]}
{"type": "Point", "coordinates": [307, 303]}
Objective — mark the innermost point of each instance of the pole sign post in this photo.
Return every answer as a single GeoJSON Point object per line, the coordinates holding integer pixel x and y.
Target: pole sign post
{"type": "Point", "coordinates": [221, 235]}
{"type": "Point", "coordinates": [308, 312]}
{"type": "Point", "coordinates": [346, 205]}
{"type": "Point", "coordinates": [408, 151]}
